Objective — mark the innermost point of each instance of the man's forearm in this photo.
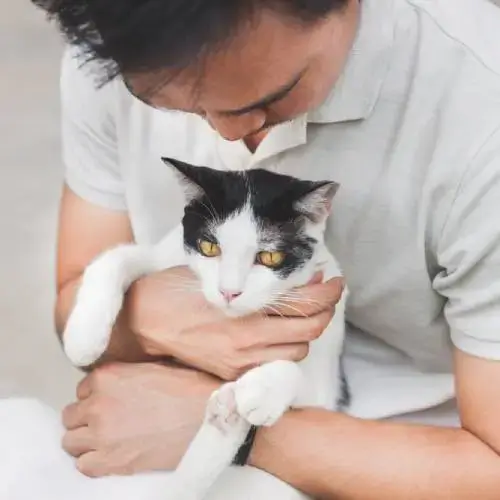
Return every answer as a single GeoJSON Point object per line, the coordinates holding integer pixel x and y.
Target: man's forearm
{"type": "Point", "coordinates": [334, 456]}
{"type": "Point", "coordinates": [124, 344]}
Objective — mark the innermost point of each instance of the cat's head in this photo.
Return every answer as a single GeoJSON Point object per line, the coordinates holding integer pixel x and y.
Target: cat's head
{"type": "Point", "coordinates": [251, 235]}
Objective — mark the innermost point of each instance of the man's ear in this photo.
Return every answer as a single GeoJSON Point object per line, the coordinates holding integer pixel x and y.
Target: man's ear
{"type": "Point", "coordinates": [317, 202]}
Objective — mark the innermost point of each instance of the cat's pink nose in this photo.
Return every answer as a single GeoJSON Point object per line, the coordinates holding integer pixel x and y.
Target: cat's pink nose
{"type": "Point", "coordinates": [230, 295]}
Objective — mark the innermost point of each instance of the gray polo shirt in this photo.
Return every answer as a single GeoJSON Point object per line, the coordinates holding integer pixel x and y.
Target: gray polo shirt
{"type": "Point", "coordinates": [411, 132]}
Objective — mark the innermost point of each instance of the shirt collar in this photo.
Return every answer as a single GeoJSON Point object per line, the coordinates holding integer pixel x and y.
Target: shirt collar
{"type": "Point", "coordinates": [356, 92]}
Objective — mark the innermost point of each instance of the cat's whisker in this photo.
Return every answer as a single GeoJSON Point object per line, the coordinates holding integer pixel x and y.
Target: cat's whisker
{"type": "Point", "coordinates": [298, 297]}
{"type": "Point", "coordinates": [205, 217]}
{"type": "Point", "coordinates": [263, 313]}
{"type": "Point", "coordinates": [315, 305]}
{"type": "Point", "coordinates": [274, 310]}
{"type": "Point", "coordinates": [214, 211]}
{"type": "Point", "coordinates": [287, 305]}
{"type": "Point", "coordinates": [211, 210]}
{"type": "Point", "coordinates": [301, 300]}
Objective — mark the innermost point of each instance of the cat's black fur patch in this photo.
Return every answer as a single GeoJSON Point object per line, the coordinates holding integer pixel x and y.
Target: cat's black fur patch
{"type": "Point", "coordinates": [272, 198]}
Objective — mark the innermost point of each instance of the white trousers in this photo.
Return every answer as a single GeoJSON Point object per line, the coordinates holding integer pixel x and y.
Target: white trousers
{"type": "Point", "coordinates": [34, 467]}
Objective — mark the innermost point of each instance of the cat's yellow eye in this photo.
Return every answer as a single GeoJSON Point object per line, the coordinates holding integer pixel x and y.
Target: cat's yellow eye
{"type": "Point", "coordinates": [271, 259]}
{"type": "Point", "coordinates": [208, 248]}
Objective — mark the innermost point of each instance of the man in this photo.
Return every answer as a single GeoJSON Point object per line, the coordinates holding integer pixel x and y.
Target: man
{"type": "Point", "coordinates": [399, 102]}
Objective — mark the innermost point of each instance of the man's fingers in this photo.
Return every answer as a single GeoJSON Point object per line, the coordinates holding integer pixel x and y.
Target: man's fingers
{"type": "Point", "coordinates": [91, 464]}
{"type": "Point", "coordinates": [310, 299]}
{"type": "Point", "coordinates": [84, 389]}
{"type": "Point", "coordinates": [76, 415]}
{"type": "Point", "coordinates": [275, 330]}
{"type": "Point", "coordinates": [77, 442]}
{"type": "Point", "coordinates": [98, 464]}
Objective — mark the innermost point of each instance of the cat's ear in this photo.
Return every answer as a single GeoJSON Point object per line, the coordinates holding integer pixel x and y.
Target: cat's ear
{"type": "Point", "coordinates": [188, 177]}
{"type": "Point", "coordinates": [316, 203]}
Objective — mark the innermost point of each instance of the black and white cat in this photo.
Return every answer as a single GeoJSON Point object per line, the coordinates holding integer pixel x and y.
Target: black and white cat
{"type": "Point", "coordinates": [251, 237]}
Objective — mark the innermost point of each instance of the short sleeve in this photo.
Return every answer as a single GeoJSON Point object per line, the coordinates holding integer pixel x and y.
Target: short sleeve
{"type": "Point", "coordinates": [469, 256]}
{"type": "Point", "coordinates": [89, 140]}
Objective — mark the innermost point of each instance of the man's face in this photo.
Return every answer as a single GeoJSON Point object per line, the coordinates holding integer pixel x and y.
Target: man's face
{"type": "Point", "coordinates": [272, 71]}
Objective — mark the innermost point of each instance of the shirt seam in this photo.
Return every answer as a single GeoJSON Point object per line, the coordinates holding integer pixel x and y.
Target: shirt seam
{"type": "Point", "coordinates": [447, 34]}
{"type": "Point", "coordinates": [460, 185]}
{"type": "Point", "coordinates": [111, 200]}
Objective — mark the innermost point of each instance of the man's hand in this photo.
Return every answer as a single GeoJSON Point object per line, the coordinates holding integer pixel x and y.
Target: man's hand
{"type": "Point", "coordinates": [202, 337]}
{"type": "Point", "coordinates": [135, 417]}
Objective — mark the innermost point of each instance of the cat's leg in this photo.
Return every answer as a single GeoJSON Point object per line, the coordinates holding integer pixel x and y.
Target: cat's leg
{"type": "Point", "coordinates": [102, 289]}
{"type": "Point", "coordinates": [213, 449]}
{"type": "Point", "coordinates": [260, 397]}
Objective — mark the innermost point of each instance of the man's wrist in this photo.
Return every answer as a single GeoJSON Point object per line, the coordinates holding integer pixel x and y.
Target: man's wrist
{"type": "Point", "coordinates": [266, 443]}
{"type": "Point", "coordinates": [271, 444]}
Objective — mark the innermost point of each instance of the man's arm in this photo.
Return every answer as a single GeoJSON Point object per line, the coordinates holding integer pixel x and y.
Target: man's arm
{"type": "Point", "coordinates": [329, 455]}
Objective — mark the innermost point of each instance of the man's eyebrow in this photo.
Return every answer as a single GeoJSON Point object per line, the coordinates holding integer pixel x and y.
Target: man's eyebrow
{"type": "Point", "coordinates": [275, 96]}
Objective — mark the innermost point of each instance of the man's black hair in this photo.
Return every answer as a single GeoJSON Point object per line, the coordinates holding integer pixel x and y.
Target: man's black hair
{"type": "Point", "coordinates": [136, 36]}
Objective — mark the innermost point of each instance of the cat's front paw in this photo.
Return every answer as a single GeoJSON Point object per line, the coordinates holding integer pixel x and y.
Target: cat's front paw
{"type": "Point", "coordinates": [265, 393]}
{"type": "Point", "coordinates": [222, 411]}
{"type": "Point", "coordinates": [89, 326]}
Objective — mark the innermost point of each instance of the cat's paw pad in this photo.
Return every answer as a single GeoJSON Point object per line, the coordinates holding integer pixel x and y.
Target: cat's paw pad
{"type": "Point", "coordinates": [89, 326]}
{"type": "Point", "coordinates": [222, 411]}
{"type": "Point", "coordinates": [266, 393]}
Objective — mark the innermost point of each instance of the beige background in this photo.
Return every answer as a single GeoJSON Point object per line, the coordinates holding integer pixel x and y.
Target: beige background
{"type": "Point", "coordinates": [31, 362]}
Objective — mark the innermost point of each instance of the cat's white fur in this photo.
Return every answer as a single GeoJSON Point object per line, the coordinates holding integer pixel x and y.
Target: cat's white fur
{"type": "Point", "coordinates": [262, 395]}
